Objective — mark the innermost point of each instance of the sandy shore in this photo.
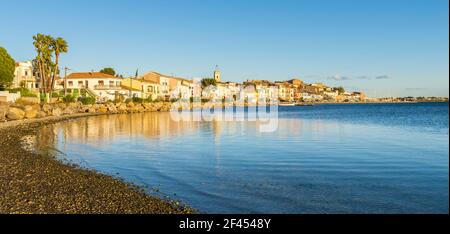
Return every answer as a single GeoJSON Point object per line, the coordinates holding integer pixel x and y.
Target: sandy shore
{"type": "Point", "coordinates": [36, 183]}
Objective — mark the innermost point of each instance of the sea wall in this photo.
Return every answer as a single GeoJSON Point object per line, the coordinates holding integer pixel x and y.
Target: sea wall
{"type": "Point", "coordinates": [16, 111]}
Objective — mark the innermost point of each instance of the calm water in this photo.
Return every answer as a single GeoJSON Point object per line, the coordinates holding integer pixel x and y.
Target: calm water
{"type": "Point", "coordinates": [378, 158]}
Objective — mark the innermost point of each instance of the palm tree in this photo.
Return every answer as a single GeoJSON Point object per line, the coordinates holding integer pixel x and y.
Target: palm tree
{"type": "Point", "coordinates": [39, 41]}
{"type": "Point", "coordinates": [58, 45]}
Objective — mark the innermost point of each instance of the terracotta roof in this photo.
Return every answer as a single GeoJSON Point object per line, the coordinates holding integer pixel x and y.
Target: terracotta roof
{"type": "Point", "coordinates": [154, 76]}
{"type": "Point", "coordinates": [87, 75]}
{"type": "Point", "coordinates": [147, 81]}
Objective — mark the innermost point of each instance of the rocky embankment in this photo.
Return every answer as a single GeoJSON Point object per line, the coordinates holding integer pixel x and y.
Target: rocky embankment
{"type": "Point", "coordinates": [14, 111]}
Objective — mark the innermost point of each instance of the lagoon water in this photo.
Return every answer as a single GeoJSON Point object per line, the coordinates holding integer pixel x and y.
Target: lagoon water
{"type": "Point", "coordinates": [374, 158]}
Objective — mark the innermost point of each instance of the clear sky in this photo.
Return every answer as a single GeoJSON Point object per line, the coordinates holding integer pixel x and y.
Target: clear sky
{"type": "Point", "coordinates": [383, 47]}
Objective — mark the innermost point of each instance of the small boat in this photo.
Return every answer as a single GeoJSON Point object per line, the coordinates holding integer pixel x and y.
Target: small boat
{"type": "Point", "coordinates": [286, 104]}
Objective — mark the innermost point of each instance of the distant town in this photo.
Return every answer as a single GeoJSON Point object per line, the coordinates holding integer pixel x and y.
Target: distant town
{"type": "Point", "coordinates": [106, 85]}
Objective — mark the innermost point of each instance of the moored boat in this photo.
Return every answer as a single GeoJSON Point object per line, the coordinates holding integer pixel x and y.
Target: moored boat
{"type": "Point", "coordinates": [287, 104]}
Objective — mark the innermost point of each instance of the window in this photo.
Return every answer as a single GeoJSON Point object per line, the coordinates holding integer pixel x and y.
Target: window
{"type": "Point", "coordinates": [101, 82]}
{"type": "Point", "coordinates": [70, 83]}
{"type": "Point", "coordinates": [111, 83]}
{"type": "Point", "coordinates": [26, 73]}
{"type": "Point", "coordinates": [80, 83]}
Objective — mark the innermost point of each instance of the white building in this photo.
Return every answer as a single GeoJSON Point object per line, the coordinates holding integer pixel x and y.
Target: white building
{"type": "Point", "coordinates": [331, 94]}
{"type": "Point", "coordinates": [162, 80]}
{"type": "Point", "coordinates": [23, 76]}
{"type": "Point", "coordinates": [139, 88]}
{"type": "Point", "coordinates": [311, 97]}
{"type": "Point", "coordinates": [180, 88]}
{"type": "Point", "coordinates": [102, 86]}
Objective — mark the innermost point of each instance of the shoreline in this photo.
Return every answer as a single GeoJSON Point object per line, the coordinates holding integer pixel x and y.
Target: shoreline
{"type": "Point", "coordinates": [365, 103]}
{"type": "Point", "coordinates": [33, 183]}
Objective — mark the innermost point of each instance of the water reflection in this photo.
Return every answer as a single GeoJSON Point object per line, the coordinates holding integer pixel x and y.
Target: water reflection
{"type": "Point", "coordinates": [306, 166]}
{"type": "Point", "coordinates": [105, 128]}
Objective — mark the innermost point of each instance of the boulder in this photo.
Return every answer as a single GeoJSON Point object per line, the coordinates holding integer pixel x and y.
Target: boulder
{"type": "Point", "coordinates": [102, 109]}
{"type": "Point", "coordinates": [30, 113]}
{"type": "Point", "coordinates": [3, 112]}
{"type": "Point", "coordinates": [73, 105]}
{"type": "Point", "coordinates": [15, 114]}
{"type": "Point", "coordinates": [70, 110]}
{"type": "Point", "coordinates": [140, 108]}
{"type": "Point", "coordinates": [162, 107]}
{"type": "Point", "coordinates": [27, 108]}
{"type": "Point", "coordinates": [112, 108]}
{"type": "Point", "coordinates": [84, 108]}
{"type": "Point", "coordinates": [130, 105]}
{"type": "Point", "coordinates": [41, 114]}
{"type": "Point", "coordinates": [152, 107]}
{"type": "Point", "coordinates": [47, 109]}
{"type": "Point", "coordinates": [91, 110]}
{"type": "Point", "coordinates": [57, 111]}
{"type": "Point", "coordinates": [122, 108]}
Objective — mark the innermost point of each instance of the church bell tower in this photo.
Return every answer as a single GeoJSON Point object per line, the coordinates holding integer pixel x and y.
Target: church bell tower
{"type": "Point", "coordinates": [217, 74]}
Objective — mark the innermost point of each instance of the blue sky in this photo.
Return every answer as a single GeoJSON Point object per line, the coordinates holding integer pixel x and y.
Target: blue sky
{"type": "Point", "coordinates": [383, 47]}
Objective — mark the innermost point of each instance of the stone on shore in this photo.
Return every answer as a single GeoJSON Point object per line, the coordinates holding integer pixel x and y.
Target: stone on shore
{"type": "Point", "coordinates": [41, 114]}
{"type": "Point", "coordinates": [47, 109]}
{"type": "Point", "coordinates": [122, 108]}
{"type": "Point", "coordinates": [57, 111]}
{"type": "Point", "coordinates": [91, 109]}
{"type": "Point", "coordinates": [31, 114]}
{"type": "Point", "coordinates": [15, 114]}
{"type": "Point", "coordinates": [130, 105]}
{"type": "Point", "coordinates": [102, 109]}
{"type": "Point", "coordinates": [3, 112]}
{"type": "Point", "coordinates": [69, 110]}
{"type": "Point", "coordinates": [112, 108]}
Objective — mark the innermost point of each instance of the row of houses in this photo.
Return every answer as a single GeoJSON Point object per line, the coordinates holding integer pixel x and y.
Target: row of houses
{"type": "Point", "coordinates": [154, 85]}
{"type": "Point", "coordinates": [296, 90]}
{"type": "Point", "coordinates": [104, 86]}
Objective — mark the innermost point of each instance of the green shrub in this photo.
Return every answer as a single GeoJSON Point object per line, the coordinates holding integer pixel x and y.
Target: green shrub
{"type": "Point", "coordinates": [56, 95]}
{"type": "Point", "coordinates": [76, 92]}
{"type": "Point", "coordinates": [87, 100]}
{"type": "Point", "coordinates": [148, 100]}
{"type": "Point", "coordinates": [69, 98]}
{"type": "Point", "coordinates": [24, 92]}
{"type": "Point", "coordinates": [137, 100]}
{"type": "Point", "coordinates": [159, 99]}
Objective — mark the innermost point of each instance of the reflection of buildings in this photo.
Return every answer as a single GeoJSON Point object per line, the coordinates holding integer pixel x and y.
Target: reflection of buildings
{"type": "Point", "coordinates": [102, 128]}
